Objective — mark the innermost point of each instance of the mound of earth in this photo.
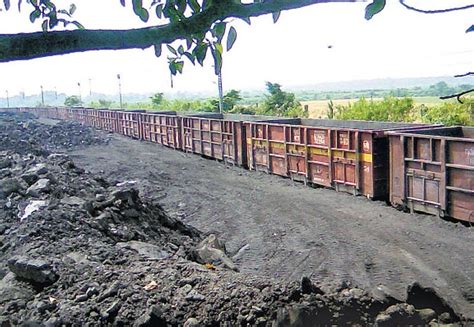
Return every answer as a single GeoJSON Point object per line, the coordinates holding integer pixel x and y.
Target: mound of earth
{"type": "Point", "coordinates": [76, 249]}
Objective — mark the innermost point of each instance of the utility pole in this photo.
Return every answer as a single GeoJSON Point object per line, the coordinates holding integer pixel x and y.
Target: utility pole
{"type": "Point", "coordinates": [56, 92]}
{"type": "Point", "coordinates": [80, 93]}
{"type": "Point", "coordinates": [120, 90]}
{"type": "Point", "coordinates": [221, 92]}
{"type": "Point", "coordinates": [42, 96]}
{"type": "Point", "coordinates": [90, 87]}
{"type": "Point", "coordinates": [8, 99]}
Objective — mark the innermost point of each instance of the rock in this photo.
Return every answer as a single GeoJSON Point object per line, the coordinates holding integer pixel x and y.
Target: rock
{"type": "Point", "coordinates": [131, 213]}
{"type": "Point", "coordinates": [307, 287]}
{"type": "Point", "coordinates": [35, 271]}
{"type": "Point", "coordinates": [5, 163]}
{"type": "Point", "coordinates": [111, 291]}
{"type": "Point", "coordinates": [5, 322]}
{"type": "Point", "coordinates": [445, 318]}
{"type": "Point", "coordinates": [427, 297]}
{"type": "Point", "coordinates": [8, 186]}
{"type": "Point", "coordinates": [53, 322]}
{"type": "Point", "coordinates": [383, 319]}
{"type": "Point", "coordinates": [399, 314]}
{"type": "Point", "coordinates": [81, 298]}
{"type": "Point", "coordinates": [25, 209]}
{"type": "Point", "coordinates": [41, 186]}
{"type": "Point", "coordinates": [191, 322]}
{"type": "Point", "coordinates": [427, 314]}
{"type": "Point", "coordinates": [127, 194]}
{"type": "Point", "coordinates": [193, 295]}
{"type": "Point", "coordinates": [211, 250]}
{"type": "Point", "coordinates": [12, 290]}
{"type": "Point", "coordinates": [99, 197]}
{"type": "Point", "coordinates": [73, 201]}
{"type": "Point", "coordinates": [153, 317]}
{"type": "Point", "coordinates": [111, 311]}
{"type": "Point", "coordinates": [30, 179]}
{"type": "Point", "coordinates": [38, 169]}
{"type": "Point", "coordinates": [147, 250]}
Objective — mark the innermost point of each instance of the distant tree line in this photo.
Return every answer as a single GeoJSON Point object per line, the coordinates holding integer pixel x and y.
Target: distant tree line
{"type": "Point", "coordinates": [435, 90]}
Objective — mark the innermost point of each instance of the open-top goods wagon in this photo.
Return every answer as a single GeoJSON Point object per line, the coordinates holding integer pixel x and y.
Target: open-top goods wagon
{"type": "Point", "coordinates": [349, 156]}
{"type": "Point", "coordinates": [162, 127]}
{"type": "Point", "coordinates": [218, 136]}
{"type": "Point", "coordinates": [130, 123]}
{"type": "Point", "coordinates": [432, 171]}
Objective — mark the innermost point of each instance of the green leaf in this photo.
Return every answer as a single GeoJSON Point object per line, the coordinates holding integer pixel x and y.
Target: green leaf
{"type": "Point", "coordinates": [181, 5]}
{"type": "Point", "coordinates": [218, 47]}
{"type": "Point", "coordinates": [157, 50]}
{"type": "Point", "coordinates": [72, 9]}
{"type": "Point", "coordinates": [7, 4]}
{"type": "Point", "coordinates": [189, 43]}
{"type": "Point", "coordinates": [44, 25]}
{"type": "Point", "coordinates": [35, 14]}
{"type": "Point", "coordinates": [231, 37]}
{"type": "Point", "coordinates": [247, 20]}
{"type": "Point", "coordinates": [195, 6]}
{"type": "Point", "coordinates": [181, 50]}
{"type": "Point", "coordinates": [78, 25]}
{"type": "Point", "coordinates": [200, 52]}
{"type": "Point", "coordinates": [276, 16]}
{"type": "Point", "coordinates": [217, 55]}
{"type": "Point", "coordinates": [374, 8]}
{"type": "Point", "coordinates": [179, 66]}
{"type": "Point", "coordinates": [159, 10]}
{"type": "Point", "coordinates": [172, 66]}
{"type": "Point", "coordinates": [218, 31]}
{"type": "Point", "coordinates": [470, 29]}
{"type": "Point", "coordinates": [171, 49]}
{"type": "Point", "coordinates": [140, 11]}
{"type": "Point", "coordinates": [144, 15]}
{"type": "Point", "coordinates": [122, 2]}
{"type": "Point", "coordinates": [190, 57]}
{"type": "Point", "coordinates": [65, 12]}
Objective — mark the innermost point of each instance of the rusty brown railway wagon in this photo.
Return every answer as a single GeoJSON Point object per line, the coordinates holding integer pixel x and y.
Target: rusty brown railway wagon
{"type": "Point", "coordinates": [162, 127]}
{"type": "Point", "coordinates": [96, 119]}
{"type": "Point", "coordinates": [81, 115]}
{"type": "Point", "coordinates": [218, 136]}
{"type": "Point", "coordinates": [432, 171]}
{"type": "Point", "coordinates": [349, 156]}
{"type": "Point", "coordinates": [130, 123]}
{"type": "Point", "coordinates": [109, 120]}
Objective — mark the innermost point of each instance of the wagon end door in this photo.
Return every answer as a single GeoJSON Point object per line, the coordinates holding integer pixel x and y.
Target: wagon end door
{"type": "Point", "coordinates": [345, 149]}
{"type": "Point", "coordinates": [425, 175]}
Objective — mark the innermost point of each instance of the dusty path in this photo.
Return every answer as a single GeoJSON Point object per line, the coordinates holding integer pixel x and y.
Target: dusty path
{"type": "Point", "coordinates": [287, 230]}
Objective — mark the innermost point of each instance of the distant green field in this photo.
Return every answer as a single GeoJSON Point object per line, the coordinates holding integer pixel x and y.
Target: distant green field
{"type": "Point", "coordinates": [319, 108]}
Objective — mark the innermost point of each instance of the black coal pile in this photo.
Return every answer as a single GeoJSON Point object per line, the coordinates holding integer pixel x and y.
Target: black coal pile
{"type": "Point", "coordinates": [31, 136]}
{"type": "Point", "coordinates": [77, 250]}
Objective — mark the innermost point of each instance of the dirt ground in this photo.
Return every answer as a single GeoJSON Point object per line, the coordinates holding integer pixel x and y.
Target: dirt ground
{"type": "Point", "coordinates": [275, 227]}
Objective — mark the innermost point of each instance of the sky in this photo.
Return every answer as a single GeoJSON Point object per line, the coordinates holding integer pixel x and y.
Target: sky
{"type": "Point", "coordinates": [316, 44]}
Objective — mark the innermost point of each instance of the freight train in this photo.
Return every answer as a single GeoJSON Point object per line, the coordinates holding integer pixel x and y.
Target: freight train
{"type": "Point", "coordinates": [416, 167]}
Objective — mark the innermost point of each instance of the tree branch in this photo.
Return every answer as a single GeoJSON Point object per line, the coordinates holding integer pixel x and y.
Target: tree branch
{"type": "Point", "coordinates": [457, 95]}
{"type": "Point", "coordinates": [436, 11]}
{"type": "Point", "coordinates": [25, 46]}
{"type": "Point", "coordinates": [464, 75]}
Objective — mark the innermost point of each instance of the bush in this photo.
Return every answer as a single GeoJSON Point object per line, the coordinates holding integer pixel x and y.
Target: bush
{"type": "Point", "coordinates": [449, 114]}
{"type": "Point", "coordinates": [389, 109]}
